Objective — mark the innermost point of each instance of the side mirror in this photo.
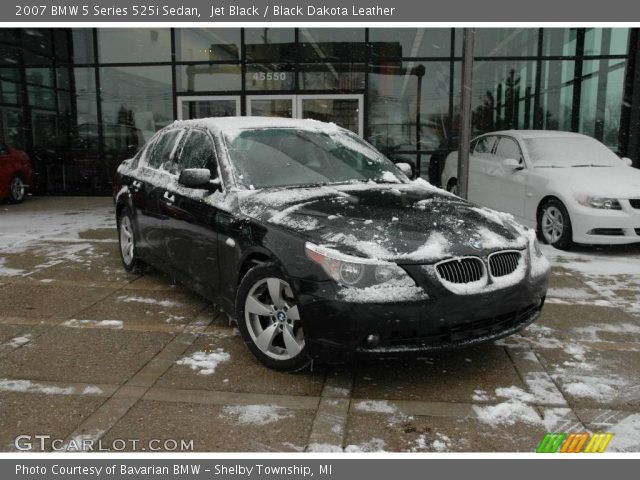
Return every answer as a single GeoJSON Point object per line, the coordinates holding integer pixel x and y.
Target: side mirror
{"type": "Point", "coordinates": [199, 178]}
{"type": "Point", "coordinates": [511, 164]}
{"type": "Point", "coordinates": [405, 168]}
{"type": "Point", "coordinates": [627, 161]}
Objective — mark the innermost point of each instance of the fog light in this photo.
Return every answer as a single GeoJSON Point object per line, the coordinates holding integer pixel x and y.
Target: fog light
{"type": "Point", "coordinates": [373, 341]}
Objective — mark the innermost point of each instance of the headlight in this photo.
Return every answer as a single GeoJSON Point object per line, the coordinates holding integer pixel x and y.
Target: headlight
{"type": "Point", "coordinates": [355, 271]}
{"type": "Point", "coordinates": [604, 203]}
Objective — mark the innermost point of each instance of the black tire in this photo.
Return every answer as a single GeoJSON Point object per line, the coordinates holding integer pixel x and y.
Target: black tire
{"type": "Point", "coordinates": [17, 189]}
{"type": "Point", "coordinates": [275, 353]}
{"type": "Point", "coordinates": [554, 209]}
{"type": "Point", "coordinates": [452, 186]}
{"type": "Point", "coordinates": [130, 261]}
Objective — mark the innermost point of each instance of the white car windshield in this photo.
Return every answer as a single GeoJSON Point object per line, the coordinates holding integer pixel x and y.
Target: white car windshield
{"type": "Point", "coordinates": [283, 157]}
{"type": "Point", "coordinates": [569, 152]}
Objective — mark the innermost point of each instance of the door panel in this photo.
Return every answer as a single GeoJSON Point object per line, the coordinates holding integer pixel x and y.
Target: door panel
{"type": "Point", "coordinates": [191, 240]}
{"type": "Point", "coordinates": [507, 184]}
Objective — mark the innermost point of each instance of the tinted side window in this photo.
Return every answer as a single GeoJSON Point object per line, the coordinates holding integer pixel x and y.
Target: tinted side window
{"type": "Point", "coordinates": [508, 148]}
{"type": "Point", "coordinates": [163, 149]}
{"type": "Point", "coordinates": [198, 152]}
{"type": "Point", "coordinates": [484, 145]}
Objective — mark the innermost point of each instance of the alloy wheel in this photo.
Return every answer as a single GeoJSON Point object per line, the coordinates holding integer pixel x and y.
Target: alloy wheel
{"type": "Point", "coordinates": [273, 319]}
{"type": "Point", "coordinates": [552, 224]}
{"type": "Point", "coordinates": [127, 242]}
{"type": "Point", "coordinates": [17, 188]}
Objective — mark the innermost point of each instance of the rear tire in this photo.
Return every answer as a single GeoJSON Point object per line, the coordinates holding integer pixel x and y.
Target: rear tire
{"type": "Point", "coordinates": [269, 319]}
{"type": "Point", "coordinates": [17, 189]}
{"type": "Point", "coordinates": [127, 242]}
{"type": "Point", "coordinates": [554, 225]}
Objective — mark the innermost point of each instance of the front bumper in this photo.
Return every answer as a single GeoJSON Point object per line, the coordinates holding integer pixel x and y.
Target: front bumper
{"type": "Point", "coordinates": [337, 331]}
{"type": "Point", "coordinates": [606, 227]}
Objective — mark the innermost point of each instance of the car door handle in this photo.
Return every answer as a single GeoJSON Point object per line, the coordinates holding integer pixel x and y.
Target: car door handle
{"type": "Point", "coordinates": [169, 197]}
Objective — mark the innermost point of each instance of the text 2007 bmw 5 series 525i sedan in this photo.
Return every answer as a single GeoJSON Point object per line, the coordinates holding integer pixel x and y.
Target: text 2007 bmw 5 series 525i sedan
{"type": "Point", "coordinates": [319, 246]}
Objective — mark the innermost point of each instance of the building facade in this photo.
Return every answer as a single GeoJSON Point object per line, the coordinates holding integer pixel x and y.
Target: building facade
{"type": "Point", "coordinates": [79, 101]}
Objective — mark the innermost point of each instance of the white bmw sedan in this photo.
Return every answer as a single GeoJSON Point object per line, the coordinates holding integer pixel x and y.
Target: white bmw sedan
{"type": "Point", "coordinates": [568, 186]}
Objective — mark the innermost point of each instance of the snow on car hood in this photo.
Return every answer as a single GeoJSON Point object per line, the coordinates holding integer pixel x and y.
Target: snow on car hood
{"type": "Point", "coordinates": [406, 223]}
{"type": "Point", "coordinates": [614, 182]}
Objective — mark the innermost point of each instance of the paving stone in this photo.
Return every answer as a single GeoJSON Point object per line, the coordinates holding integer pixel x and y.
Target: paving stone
{"type": "Point", "coordinates": [215, 428]}
{"type": "Point", "coordinates": [83, 355]}
{"type": "Point", "coordinates": [40, 414]}
{"type": "Point", "coordinates": [448, 377]}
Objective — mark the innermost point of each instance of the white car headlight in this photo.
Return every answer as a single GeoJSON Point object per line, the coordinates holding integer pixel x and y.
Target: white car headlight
{"type": "Point", "coordinates": [604, 203]}
{"type": "Point", "coordinates": [355, 271]}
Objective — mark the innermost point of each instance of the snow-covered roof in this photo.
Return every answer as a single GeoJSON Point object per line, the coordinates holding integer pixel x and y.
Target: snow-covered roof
{"type": "Point", "coordinates": [536, 133]}
{"type": "Point", "coordinates": [232, 125]}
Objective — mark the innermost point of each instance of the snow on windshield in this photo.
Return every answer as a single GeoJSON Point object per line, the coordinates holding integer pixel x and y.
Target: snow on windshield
{"type": "Point", "coordinates": [570, 151]}
{"type": "Point", "coordinates": [277, 157]}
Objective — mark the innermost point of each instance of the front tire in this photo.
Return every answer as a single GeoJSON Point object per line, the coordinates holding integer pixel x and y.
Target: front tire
{"type": "Point", "coordinates": [127, 242]}
{"type": "Point", "coordinates": [269, 321]}
{"type": "Point", "coordinates": [17, 189]}
{"type": "Point", "coordinates": [554, 225]}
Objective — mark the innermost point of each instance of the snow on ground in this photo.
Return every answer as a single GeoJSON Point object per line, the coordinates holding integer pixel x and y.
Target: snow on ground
{"type": "Point", "coordinates": [205, 363]}
{"type": "Point", "coordinates": [16, 342]}
{"type": "Point", "coordinates": [27, 386]}
{"type": "Point", "coordinates": [255, 414]}
{"type": "Point", "coordinates": [113, 324]}
{"type": "Point", "coordinates": [148, 301]}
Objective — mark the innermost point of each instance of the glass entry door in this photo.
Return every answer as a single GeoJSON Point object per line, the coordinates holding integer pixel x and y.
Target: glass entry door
{"type": "Point", "coordinates": [343, 110]}
{"type": "Point", "coordinates": [208, 106]}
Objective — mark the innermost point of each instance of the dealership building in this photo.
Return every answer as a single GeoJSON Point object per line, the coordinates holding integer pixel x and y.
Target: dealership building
{"type": "Point", "coordinates": [79, 101]}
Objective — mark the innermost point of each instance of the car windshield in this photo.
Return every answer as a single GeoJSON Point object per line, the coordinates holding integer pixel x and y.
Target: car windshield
{"type": "Point", "coordinates": [569, 152]}
{"type": "Point", "coordinates": [285, 157]}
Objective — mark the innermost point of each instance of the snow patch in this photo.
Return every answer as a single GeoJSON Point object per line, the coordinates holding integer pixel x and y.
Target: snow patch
{"type": "Point", "coordinates": [205, 363]}
{"type": "Point", "coordinates": [256, 414]}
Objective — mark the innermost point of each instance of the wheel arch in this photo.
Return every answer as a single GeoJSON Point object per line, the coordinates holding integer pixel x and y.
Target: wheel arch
{"type": "Point", "coordinates": [253, 257]}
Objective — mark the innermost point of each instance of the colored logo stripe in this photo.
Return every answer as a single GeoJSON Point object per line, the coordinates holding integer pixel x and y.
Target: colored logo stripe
{"type": "Point", "coordinates": [574, 443]}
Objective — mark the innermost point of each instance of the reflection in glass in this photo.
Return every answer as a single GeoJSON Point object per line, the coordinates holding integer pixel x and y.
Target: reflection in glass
{"type": "Point", "coordinates": [556, 95]}
{"type": "Point", "coordinates": [606, 41]}
{"type": "Point", "coordinates": [332, 44]}
{"type": "Point", "coordinates": [207, 44]}
{"type": "Point", "coordinates": [559, 41]}
{"type": "Point", "coordinates": [82, 39]}
{"type": "Point", "coordinates": [341, 111]}
{"type": "Point", "coordinates": [131, 45]}
{"type": "Point", "coordinates": [506, 42]}
{"type": "Point", "coordinates": [410, 42]}
{"type": "Point", "coordinates": [209, 108]}
{"type": "Point", "coordinates": [271, 107]}
{"type": "Point", "coordinates": [503, 95]}
{"type": "Point", "coordinates": [270, 44]}
{"type": "Point", "coordinates": [207, 78]}
{"type": "Point", "coordinates": [331, 76]}
{"type": "Point", "coordinates": [139, 97]}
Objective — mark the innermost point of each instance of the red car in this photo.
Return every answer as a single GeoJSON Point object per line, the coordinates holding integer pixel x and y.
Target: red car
{"type": "Point", "coordinates": [16, 173]}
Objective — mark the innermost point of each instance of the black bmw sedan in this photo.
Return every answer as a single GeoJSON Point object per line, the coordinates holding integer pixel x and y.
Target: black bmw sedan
{"type": "Point", "coordinates": [319, 246]}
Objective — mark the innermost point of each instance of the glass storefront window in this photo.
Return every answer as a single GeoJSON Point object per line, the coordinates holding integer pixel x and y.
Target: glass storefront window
{"type": "Point", "coordinates": [332, 44]}
{"type": "Point", "coordinates": [132, 45]}
{"type": "Point", "coordinates": [270, 44]}
{"type": "Point", "coordinates": [207, 78]}
{"type": "Point", "coordinates": [601, 100]}
{"type": "Point", "coordinates": [207, 44]}
{"type": "Point", "coordinates": [40, 76]}
{"type": "Point", "coordinates": [82, 39]}
{"type": "Point", "coordinates": [331, 76]}
{"type": "Point", "coordinates": [137, 97]}
{"type": "Point", "coordinates": [559, 41]}
{"type": "Point", "coordinates": [410, 42]}
{"type": "Point", "coordinates": [606, 41]}
{"type": "Point", "coordinates": [266, 77]}
{"type": "Point", "coordinates": [503, 95]}
{"type": "Point", "coordinates": [85, 94]}
{"type": "Point", "coordinates": [556, 94]}
{"type": "Point", "coordinates": [506, 42]}
{"type": "Point", "coordinates": [37, 46]}
{"type": "Point", "coordinates": [393, 106]}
